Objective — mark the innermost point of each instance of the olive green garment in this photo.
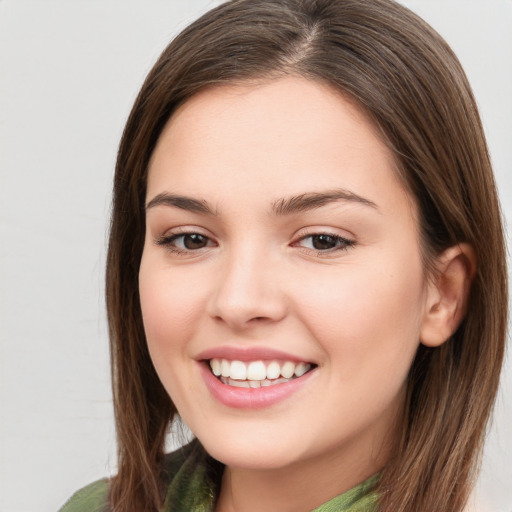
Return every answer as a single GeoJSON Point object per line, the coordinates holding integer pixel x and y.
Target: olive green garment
{"type": "Point", "coordinates": [194, 481]}
{"type": "Point", "coordinates": [92, 498]}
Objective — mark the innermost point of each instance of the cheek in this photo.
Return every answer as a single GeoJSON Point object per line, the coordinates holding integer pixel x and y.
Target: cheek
{"type": "Point", "coordinates": [169, 314]}
{"type": "Point", "coordinates": [171, 306]}
{"type": "Point", "coordinates": [368, 315]}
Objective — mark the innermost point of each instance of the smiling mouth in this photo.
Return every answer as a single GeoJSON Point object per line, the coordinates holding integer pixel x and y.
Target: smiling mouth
{"type": "Point", "coordinates": [256, 374]}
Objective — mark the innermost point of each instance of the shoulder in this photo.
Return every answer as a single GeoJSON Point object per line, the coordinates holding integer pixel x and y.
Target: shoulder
{"type": "Point", "coordinates": [190, 476]}
{"type": "Point", "coordinates": [92, 498]}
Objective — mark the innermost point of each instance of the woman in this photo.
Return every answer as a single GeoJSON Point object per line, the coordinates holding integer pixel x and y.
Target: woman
{"type": "Point", "coordinates": [306, 263]}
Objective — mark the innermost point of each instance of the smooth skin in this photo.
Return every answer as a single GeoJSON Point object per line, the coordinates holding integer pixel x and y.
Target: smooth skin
{"type": "Point", "coordinates": [333, 277]}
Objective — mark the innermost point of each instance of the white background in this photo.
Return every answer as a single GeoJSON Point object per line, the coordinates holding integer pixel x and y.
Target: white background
{"type": "Point", "coordinates": [69, 72]}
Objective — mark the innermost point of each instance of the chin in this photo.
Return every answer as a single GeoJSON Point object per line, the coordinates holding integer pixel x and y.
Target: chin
{"type": "Point", "coordinates": [248, 454]}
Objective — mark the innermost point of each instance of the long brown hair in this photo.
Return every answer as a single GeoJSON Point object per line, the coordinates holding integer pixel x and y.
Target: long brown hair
{"type": "Point", "coordinates": [407, 79]}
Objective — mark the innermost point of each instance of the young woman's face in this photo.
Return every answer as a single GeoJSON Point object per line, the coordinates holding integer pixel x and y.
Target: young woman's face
{"type": "Point", "coordinates": [283, 252]}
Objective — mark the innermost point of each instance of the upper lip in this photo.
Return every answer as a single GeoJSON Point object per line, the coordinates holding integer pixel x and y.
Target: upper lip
{"type": "Point", "coordinates": [237, 353]}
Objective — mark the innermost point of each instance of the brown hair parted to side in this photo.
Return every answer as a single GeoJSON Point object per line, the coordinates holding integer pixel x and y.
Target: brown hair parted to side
{"type": "Point", "coordinates": [406, 78]}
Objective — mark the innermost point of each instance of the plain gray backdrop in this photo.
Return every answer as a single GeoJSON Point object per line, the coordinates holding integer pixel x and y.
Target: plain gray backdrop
{"type": "Point", "coordinates": [69, 72]}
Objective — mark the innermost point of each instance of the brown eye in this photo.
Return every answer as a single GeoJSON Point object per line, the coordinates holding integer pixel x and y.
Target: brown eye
{"type": "Point", "coordinates": [185, 242]}
{"type": "Point", "coordinates": [324, 242]}
{"type": "Point", "coordinates": [194, 241]}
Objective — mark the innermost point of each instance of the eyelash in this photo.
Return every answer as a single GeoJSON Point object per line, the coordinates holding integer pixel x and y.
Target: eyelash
{"type": "Point", "coordinates": [341, 243]}
{"type": "Point", "coordinates": [169, 240]}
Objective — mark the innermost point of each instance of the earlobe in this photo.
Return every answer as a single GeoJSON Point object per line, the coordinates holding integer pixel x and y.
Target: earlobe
{"type": "Point", "coordinates": [448, 294]}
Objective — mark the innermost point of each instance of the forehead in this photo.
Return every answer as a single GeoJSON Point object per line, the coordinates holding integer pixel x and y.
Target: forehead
{"type": "Point", "coordinates": [278, 138]}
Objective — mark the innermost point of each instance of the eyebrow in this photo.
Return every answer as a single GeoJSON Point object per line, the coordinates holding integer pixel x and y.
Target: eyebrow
{"type": "Point", "coordinates": [182, 202]}
{"type": "Point", "coordinates": [281, 207]}
{"type": "Point", "coordinates": [312, 200]}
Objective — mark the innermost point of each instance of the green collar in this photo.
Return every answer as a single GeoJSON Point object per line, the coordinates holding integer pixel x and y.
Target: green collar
{"type": "Point", "coordinates": [195, 482]}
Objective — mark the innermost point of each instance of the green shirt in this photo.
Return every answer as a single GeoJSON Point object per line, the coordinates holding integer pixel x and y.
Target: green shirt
{"type": "Point", "coordinates": [194, 482]}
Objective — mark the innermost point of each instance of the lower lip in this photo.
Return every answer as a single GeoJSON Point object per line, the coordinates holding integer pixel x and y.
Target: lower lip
{"type": "Point", "coordinates": [251, 398]}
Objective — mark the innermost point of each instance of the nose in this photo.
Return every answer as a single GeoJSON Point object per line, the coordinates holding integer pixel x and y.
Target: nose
{"type": "Point", "coordinates": [248, 292]}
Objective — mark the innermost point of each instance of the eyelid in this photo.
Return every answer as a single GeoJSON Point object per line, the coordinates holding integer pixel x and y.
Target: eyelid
{"type": "Point", "coordinates": [324, 230]}
{"type": "Point", "coordinates": [183, 230]}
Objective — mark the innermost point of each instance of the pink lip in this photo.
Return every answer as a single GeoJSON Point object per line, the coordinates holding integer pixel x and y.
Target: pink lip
{"type": "Point", "coordinates": [247, 354]}
{"type": "Point", "coordinates": [250, 398]}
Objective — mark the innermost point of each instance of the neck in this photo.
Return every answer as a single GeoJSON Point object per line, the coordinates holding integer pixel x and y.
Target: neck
{"type": "Point", "coordinates": [297, 487]}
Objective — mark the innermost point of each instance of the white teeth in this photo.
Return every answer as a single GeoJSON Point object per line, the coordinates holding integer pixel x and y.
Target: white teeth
{"type": "Point", "coordinates": [225, 368]}
{"type": "Point", "coordinates": [301, 369]}
{"type": "Point", "coordinates": [256, 373]}
{"type": "Point", "coordinates": [215, 365]}
{"type": "Point", "coordinates": [256, 370]}
{"type": "Point", "coordinates": [273, 370]}
{"type": "Point", "coordinates": [288, 369]}
{"type": "Point", "coordinates": [238, 370]}
{"type": "Point", "coordinates": [239, 383]}
{"type": "Point", "coordinates": [252, 383]}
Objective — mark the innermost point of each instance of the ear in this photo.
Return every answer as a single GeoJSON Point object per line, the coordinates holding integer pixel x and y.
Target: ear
{"type": "Point", "coordinates": [447, 294]}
